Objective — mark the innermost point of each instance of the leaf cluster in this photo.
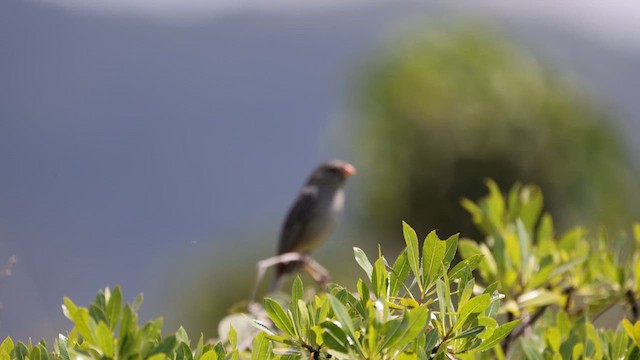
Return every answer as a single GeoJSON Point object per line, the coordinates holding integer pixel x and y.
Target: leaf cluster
{"type": "Point", "coordinates": [108, 329]}
{"type": "Point", "coordinates": [419, 307]}
{"type": "Point", "coordinates": [559, 286]}
{"type": "Point", "coordinates": [520, 293]}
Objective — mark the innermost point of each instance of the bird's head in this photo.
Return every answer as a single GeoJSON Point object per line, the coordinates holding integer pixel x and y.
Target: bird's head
{"type": "Point", "coordinates": [332, 172]}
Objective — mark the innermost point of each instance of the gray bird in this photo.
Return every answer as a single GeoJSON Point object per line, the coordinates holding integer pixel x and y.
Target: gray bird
{"type": "Point", "coordinates": [314, 213]}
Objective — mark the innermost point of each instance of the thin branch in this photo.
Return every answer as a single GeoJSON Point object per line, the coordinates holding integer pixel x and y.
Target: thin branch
{"type": "Point", "coordinates": [6, 270]}
{"type": "Point", "coordinates": [631, 300]}
{"type": "Point", "coordinates": [524, 326]}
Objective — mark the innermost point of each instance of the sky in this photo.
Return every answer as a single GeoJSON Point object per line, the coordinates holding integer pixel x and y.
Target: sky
{"type": "Point", "coordinates": [135, 134]}
{"type": "Point", "coordinates": [613, 21]}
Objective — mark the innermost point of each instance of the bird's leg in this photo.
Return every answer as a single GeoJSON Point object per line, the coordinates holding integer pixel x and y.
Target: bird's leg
{"type": "Point", "coordinates": [316, 271]}
{"type": "Point", "coordinates": [263, 265]}
{"type": "Point", "coordinates": [312, 267]}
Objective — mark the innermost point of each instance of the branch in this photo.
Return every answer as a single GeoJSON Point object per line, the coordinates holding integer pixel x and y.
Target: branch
{"type": "Point", "coordinates": [526, 324]}
{"type": "Point", "coordinates": [312, 267]}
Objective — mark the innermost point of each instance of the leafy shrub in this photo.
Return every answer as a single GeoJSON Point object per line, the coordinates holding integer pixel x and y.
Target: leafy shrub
{"type": "Point", "coordinates": [441, 110]}
{"type": "Point", "coordinates": [522, 293]}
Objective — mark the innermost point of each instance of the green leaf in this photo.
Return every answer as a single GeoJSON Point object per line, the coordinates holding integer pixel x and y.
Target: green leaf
{"type": "Point", "coordinates": [490, 324]}
{"type": "Point", "coordinates": [159, 356]}
{"type": "Point", "coordinates": [20, 351]}
{"type": "Point", "coordinates": [431, 340]}
{"type": "Point", "coordinates": [183, 352]}
{"type": "Point", "coordinates": [104, 339]}
{"type": "Point", "coordinates": [334, 337]}
{"type": "Point", "coordinates": [233, 337]}
{"type": "Point", "coordinates": [68, 308]}
{"type": "Point", "coordinates": [62, 347]}
{"type": "Point", "coordinates": [303, 321]}
{"type": "Point", "coordinates": [451, 248]}
{"type": "Point", "coordinates": [568, 346]}
{"type": "Point", "coordinates": [416, 321]}
{"type": "Point", "coordinates": [633, 330]}
{"type": "Point", "coordinates": [532, 203]}
{"type": "Point", "coordinates": [538, 298]}
{"type": "Point", "coordinates": [7, 345]}
{"type": "Point", "coordinates": [137, 302]}
{"type": "Point", "coordinates": [472, 262]}
{"type": "Point", "coordinates": [279, 317]}
{"type": "Point", "coordinates": [578, 351]}
{"type": "Point", "coordinates": [524, 245]}
{"type": "Point", "coordinates": [545, 229]}
{"type": "Point", "coordinates": [363, 261]}
{"type": "Point", "coordinates": [199, 347]}
{"type": "Point", "coordinates": [97, 313]}
{"type": "Point", "coordinates": [363, 292]}
{"type": "Point", "coordinates": [441, 290]}
{"type": "Point", "coordinates": [492, 310]}
{"type": "Point", "coordinates": [343, 317]}
{"type": "Point", "coordinates": [114, 307]}
{"type": "Point", "coordinates": [547, 273]}
{"type": "Point", "coordinates": [553, 337]}
{"type": "Point", "coordinates": [413, 256]}
{"type": "Point", "coordinates": [80, 317]}
{"type": "Point", "coordinates": [297, 291]}
{"type": "Point", "coordinates": [530, 350]}
{"type": "Point", "coordinates": [618, 345]}
{"type": "Point", "coordinates": [433, 253]}
{"type": "Point", "coordinates": [474, 210]}
{"type": "Point", "coordinates": [488, 267]}
{"type": "Point", "coordinates": [469, 332]}
{"type": "Point", "coordinates": [181, 336]}
{"type": "Point", "coordinates": [166, 346]}
{"type": "Point", "coordinates": [500, 333]}
{"type": "Point", "coordinates": [563, 322]}
{"type": "Point", "coordinates": [399, 273]}
{"type": "Point", "coordinates": [220, 351]}
{"type": "Point", "coordinates": [465, 290]}
{"type": "Point", "coordinates": [475, 305]}
{"type": "Point", "coordinates": [495, 204]}
{"type": "Point", "coordinates": [346, 297]}
{"type": "Point", "coordinates": [293, 356]}
{"type": "Point", "coordinates": [405, 331]}
{"type": "Point", "coordinates": [380, 279]}
{"type": "Point", "coordinates": [233, 355]}
{"type": "Point", "coordinates": [261, 347]}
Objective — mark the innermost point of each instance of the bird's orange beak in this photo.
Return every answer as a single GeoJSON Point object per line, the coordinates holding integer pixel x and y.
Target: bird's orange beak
{"type": "Point", "coordinates": [348, 170]}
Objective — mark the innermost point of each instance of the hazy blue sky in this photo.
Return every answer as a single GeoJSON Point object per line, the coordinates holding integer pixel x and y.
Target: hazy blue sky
{"type": "Point", "coordinates": [615, 21]}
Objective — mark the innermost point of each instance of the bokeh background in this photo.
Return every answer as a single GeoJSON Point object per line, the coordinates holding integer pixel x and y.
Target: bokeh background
{"type": "Point", "coordinates": [158, 144]}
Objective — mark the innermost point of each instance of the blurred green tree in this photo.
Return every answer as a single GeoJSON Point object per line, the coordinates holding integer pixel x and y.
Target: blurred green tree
{"type": "Point", "coordinates": [441, 111]}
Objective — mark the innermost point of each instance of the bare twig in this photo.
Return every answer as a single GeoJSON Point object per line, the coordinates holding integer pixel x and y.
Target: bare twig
{"type": "Point", "coordinates": [526, 324]}
{"type": "Point", "coordinates": [633, 303]}
{"type": "Point", "coordinates": [6, 270]}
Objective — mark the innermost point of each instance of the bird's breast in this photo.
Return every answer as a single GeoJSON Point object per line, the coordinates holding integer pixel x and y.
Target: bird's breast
{"type": "Point", "coordinates": [324, 221]}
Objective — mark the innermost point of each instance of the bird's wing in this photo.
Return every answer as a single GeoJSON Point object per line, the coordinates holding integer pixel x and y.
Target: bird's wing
{"type": "Point", "coordinates": [298, 219]}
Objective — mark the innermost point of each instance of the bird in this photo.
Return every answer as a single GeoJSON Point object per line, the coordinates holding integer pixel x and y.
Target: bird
{"type": "Point", "coordinates": [314, 213]}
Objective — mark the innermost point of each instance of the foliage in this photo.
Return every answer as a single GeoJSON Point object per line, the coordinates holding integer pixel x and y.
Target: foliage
{"type": "Point", "coordinates": [558, 286]}
{"type": "Point", "coordinates": [522, 293]}
{"type": "Point", "coordinates": [443, 109]}
{"type": "Point", "coordinates": [431, 318]}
